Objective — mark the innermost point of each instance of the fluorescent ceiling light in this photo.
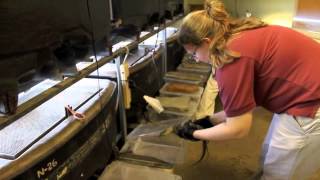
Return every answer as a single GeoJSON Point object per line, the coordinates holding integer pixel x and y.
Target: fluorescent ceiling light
{"type": "Point", "coordinates": [306, 19]}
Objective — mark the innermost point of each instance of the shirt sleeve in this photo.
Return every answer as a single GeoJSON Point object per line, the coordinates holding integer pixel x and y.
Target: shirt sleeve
{"type": "Point", "coordinates": [236, 86]}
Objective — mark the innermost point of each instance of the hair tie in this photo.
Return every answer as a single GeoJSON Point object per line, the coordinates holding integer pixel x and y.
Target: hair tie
{"type": "Point", "coordinates": [208, 9]}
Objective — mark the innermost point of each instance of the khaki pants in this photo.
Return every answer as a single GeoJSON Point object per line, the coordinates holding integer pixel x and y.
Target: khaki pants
{"type": "Point", "coordinates": [292, 148]}
{"type": "Point", "coordinates": [208, 98]}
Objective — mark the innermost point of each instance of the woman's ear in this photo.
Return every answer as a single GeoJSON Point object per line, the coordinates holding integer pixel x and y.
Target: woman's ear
{"type": "Point", "coordinates": [207, 40]}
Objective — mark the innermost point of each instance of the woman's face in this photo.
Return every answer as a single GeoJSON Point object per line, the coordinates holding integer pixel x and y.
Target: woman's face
{"type": "Point", "coordinates": [199, 53]}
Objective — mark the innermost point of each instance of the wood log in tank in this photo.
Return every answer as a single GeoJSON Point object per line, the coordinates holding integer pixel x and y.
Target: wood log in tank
{"type": "Point", "coordinates": [181, 88]}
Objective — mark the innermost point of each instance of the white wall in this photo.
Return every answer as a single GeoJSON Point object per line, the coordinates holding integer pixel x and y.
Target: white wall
{"type": "Point", "coordinates": [278, 12]}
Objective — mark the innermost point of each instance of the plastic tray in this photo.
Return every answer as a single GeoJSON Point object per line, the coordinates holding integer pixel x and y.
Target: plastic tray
{"type": "Point", "coordinates": [119, 170]}
{"type": "Point", "coordinates": [185, 77]}
{"type": "Point", "coordinates": [151, 131]}
{"type": "Point", "coordinates": [205, 72]}
{"type": "Point", "coordinates": [193, 106]}
{"type": "Point", "coordinates": [154, 116]}
{"type": "Point", "coordinates": [165, 115]}
{"type": "Point", "coordinates": [147, 146]}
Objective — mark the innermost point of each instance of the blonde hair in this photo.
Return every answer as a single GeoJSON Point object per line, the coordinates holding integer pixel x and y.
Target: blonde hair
{"type": "Point", "coordinates": [215, 23]}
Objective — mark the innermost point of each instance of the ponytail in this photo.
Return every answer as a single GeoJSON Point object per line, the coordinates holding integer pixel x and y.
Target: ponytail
{"type": "Point", "coordinates": [214, 22]}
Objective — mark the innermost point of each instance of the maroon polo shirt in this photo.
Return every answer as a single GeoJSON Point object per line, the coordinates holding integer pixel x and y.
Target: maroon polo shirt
{"type": "Point", "coordinates": [279, 69]}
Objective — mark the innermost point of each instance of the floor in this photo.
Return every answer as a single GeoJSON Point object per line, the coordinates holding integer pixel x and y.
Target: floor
{"type": "Point", "coordinates": [234, 160]}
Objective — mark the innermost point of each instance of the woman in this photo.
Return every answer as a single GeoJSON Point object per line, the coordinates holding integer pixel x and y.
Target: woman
{"type": "Point", "coordinates": [260, 65]}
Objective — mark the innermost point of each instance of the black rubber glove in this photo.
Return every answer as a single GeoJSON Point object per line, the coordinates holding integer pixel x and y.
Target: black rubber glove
{"type": "Point", "coordinates": [204, 122]}
{"type": "Point", "coordinates": [186, 130]}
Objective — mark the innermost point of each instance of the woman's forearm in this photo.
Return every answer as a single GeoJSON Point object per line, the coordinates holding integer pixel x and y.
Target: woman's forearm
{"type": "Point", "coordinates": [232, 128]}
{"type": "Point", "coordinates": [217, 133]}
